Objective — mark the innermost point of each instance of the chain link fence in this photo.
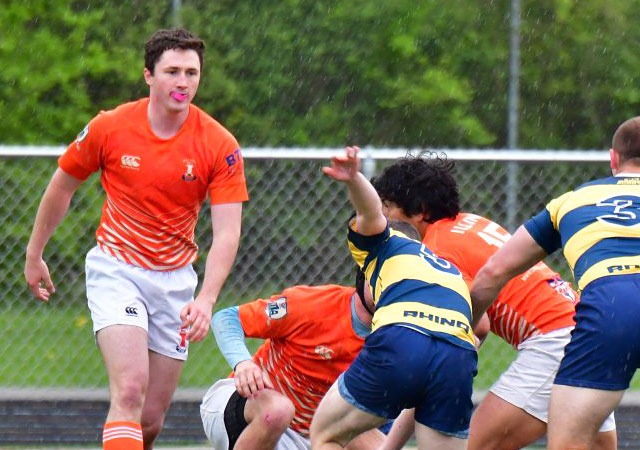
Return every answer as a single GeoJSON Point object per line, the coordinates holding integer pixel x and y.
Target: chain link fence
{"type": "Point", "coordinates": [293, 233]}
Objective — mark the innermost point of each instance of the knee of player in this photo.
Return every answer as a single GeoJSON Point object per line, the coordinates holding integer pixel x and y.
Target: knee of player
{"type": "Point", "coordinates": [151, 429]}
{"type": "Point", "coordinates": [129, 395]}
{"type": "Point", "coordinates": [278, 415]}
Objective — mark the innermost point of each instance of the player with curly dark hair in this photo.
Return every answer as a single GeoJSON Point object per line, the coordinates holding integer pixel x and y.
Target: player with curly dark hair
{"type": "Point", "coordinates": [419, 184]}
{"type": "Point", "coordinates": [534, 311]}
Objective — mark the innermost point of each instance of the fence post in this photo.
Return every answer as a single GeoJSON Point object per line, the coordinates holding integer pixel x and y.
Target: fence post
{"type": "Point", "coordinates": [512, 128]}
{"type": "Point", "coordinates": [368, 164]}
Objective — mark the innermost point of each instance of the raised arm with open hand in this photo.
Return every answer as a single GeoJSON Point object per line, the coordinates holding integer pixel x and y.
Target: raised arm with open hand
{"type": "Point", "coordinates": [369, 217]}
{"type": "Point", "coordinates": [344, 168]}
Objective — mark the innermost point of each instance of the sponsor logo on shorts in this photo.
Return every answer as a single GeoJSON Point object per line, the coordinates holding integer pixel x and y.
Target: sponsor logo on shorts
{"type": "Point", "coordinates": [131, 311]}
{"type": "Point", "coordinates": [130, 162]}
{"type": "Point", "coordinates": [324, 351]}
{"type": "Point", "coordinates": [277, 309]}
{"type": "Point", "coordinates": [182, 345]}
{"type": "Point", "coordinates": [438, 319]}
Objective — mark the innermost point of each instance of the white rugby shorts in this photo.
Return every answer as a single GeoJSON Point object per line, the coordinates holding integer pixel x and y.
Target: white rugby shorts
{"type": "Point", "coordinates": [527, 382]}
{"type": "Point", "coordinates": [122, 294]}
{"type": "Point", "coordinates": [212, 413]}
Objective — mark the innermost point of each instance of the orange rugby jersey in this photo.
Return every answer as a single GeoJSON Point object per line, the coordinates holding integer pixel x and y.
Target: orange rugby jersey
{"type": "Point", "coordinates": [537, 301]}
{"type": "Point", "coordinates": [155, 187]}
{"type": "Point", "coordinates": [310, 341]}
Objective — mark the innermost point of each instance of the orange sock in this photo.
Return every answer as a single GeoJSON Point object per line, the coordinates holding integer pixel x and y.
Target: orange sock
{"type": "Point", "coordinates": [122, 436]}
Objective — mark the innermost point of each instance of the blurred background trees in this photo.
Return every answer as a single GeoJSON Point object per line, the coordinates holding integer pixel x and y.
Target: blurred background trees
{"type": "Point", "coordinates": [394, 73]}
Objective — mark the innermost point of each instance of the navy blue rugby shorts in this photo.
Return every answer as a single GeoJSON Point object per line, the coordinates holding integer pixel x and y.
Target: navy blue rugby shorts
{"type": "Point", "coordinates": [400, 368]}
{"type": "Point", "coordinates": [604, 351]}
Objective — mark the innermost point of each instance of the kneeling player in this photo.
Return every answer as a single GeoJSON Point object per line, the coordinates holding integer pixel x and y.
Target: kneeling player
{"type": "Point", "coordinates": [313, 333]}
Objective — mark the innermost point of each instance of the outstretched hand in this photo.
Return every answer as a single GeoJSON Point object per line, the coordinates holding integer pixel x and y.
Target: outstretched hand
{"type": "Point", "coordinates": [344, 168]}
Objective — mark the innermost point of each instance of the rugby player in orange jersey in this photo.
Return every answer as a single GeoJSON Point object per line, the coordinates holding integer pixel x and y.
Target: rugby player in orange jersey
{"type": "Point", "coordinates": [160, 157]}
{"type": "Point", "coordinates": [312, 334]}
{"type": "Point", "coordinates": [533, 313]}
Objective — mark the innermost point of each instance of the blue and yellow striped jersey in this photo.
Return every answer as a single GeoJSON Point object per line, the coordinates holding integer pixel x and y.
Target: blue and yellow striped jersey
{"type": "Point", "coordinates": [413, 287]}
{"type": "Point", "coordinates": [598, 227]}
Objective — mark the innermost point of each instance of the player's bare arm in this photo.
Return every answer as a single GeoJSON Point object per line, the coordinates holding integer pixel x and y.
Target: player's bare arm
{"type": "Point", "coordinates": [53, 207]}
{"type": "Point", "coordinates": [225, 220]}
{"type": "Point", "coordinates": [517, 255]}
{"type": "Point", "coordinates": [370, 219]}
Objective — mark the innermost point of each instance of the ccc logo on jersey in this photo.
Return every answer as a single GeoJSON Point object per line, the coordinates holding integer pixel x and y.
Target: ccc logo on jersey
{"type": "Point", "coordinates": [623, 210]}
{"type": "Point", "coordinates": [130, 162]}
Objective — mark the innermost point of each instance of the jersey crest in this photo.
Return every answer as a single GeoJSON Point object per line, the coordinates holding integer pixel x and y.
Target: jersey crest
{"type": "Point", "coordinates": [277, 309]}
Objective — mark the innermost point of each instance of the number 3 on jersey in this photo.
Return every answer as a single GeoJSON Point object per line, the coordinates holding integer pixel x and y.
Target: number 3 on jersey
{"type": "Point", "coordinates": [622, 211]}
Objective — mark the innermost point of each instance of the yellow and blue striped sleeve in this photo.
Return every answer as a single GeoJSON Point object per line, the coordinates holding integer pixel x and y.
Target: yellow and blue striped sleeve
{"type": "Point", "coordinates": [544, 227]}
{"type": "Point", "coordinates": [364, 248]}
{"type": "Point", "coordinates": [541, 229]}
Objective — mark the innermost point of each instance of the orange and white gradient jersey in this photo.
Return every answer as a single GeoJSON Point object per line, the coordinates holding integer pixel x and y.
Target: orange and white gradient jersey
{"type": "Point", "coordinates": [537, 301]}
{"type": "Point", "coordinates": [310, 341]}
{"type": "Point", "coordinates": [155, 187]}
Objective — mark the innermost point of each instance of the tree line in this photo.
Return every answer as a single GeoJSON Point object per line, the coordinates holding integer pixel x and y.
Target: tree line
{"type": "Point", "coordinates": [392, 73]}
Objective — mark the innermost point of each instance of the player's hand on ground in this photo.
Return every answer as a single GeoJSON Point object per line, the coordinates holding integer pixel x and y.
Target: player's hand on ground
{"type": "Point", "coordinates": [196, 317]}
{"type": "Point", "coordinates": [36, 273]}
{"type": "Point", "coordinates": [344, 168]}
{"type": "Point", "coordinates": [250, 379]}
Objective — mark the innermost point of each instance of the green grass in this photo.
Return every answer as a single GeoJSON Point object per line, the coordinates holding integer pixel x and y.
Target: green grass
{"type": "Point", "coordinates": [53, 347]}
{"type": "Point", "coordinates": [46, 346]}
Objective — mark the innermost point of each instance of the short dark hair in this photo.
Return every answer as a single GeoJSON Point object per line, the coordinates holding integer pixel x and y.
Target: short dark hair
{"type": "Point", "coordinates": [626, 140]}
{"type": "Point", "coordinates": [422, 184]}
{"type": "Point", "coordinates": [163, 40]}
{"type": "Point", "coordinates": [406, 228]}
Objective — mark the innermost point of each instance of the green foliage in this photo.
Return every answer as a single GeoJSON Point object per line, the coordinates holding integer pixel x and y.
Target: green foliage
{"type": "Point", "coordinates": [306, 73]}
{"type": "Point", "coordinates": [580, 74]}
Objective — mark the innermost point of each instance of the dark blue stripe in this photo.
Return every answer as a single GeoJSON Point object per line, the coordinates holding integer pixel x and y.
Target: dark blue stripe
{"type": "Point", "coordinates": [398, 245]}
{"type": "Point", "coordinates": [600, 181]}
{"type": "Point", "coordinates": [395, 246]}
{"type": "Point", "coordinates": [436, 334]}
{"type": "Point", "coordinates": [540, 227]}
{"type": "Point", "coordinates": [367, 243]}
{"type": "Point", "coordinates": [606, 249]}
{"type": "Point", "coordinates": [577, 219]}
{"type": "Point", "coordinates": [425, 293]}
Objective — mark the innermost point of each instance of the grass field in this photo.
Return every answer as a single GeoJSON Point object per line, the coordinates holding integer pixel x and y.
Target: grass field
{"type": "Point", "coordinates": [55, 347]}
